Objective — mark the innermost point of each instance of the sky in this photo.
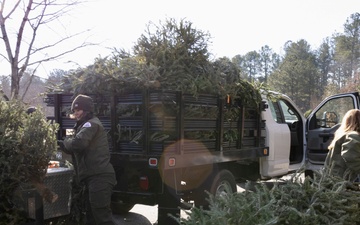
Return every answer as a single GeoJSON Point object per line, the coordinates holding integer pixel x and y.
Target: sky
{"type": "Point", "coordinates": [236, 26]}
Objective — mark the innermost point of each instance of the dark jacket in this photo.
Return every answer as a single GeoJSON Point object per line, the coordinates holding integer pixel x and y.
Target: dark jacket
{"type": "Point", "coordinates": [91, 149]}
{"type": "Point", "coordinates": [344, 158]}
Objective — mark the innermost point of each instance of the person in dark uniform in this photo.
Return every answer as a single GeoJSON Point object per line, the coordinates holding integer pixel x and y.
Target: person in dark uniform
{"type": "Point", "coordinates": [90, 148]}
{"type": "Point", "coordinates": [343, 157]}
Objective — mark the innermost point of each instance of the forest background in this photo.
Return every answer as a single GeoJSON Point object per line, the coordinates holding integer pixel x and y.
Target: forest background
{"type": "Point", "coordinates": [306, 75]}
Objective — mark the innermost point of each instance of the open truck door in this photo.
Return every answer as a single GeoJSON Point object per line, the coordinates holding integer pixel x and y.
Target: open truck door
{"type": "Point", "coordinates": [321, 125]}
{"type": "Point", "coordinates": [284, 136]}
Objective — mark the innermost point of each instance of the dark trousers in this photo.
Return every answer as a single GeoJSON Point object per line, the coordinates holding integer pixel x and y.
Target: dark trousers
{"type": "Point", "coordinates": [98, 199]}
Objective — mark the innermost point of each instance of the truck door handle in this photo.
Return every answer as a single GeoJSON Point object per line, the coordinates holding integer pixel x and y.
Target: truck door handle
{"type": "Point", "coordinates": [327, 135]}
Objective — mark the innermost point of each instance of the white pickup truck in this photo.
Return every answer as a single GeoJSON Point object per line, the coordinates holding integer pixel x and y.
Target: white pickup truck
{"type": "Point", "coordinates": [167, 151]}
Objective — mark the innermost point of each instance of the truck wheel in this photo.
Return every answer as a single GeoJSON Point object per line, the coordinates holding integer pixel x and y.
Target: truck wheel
{"type": "Point", "coordinates": [119, 208]}
{"type": "Point", "coordinates": [223, 183]}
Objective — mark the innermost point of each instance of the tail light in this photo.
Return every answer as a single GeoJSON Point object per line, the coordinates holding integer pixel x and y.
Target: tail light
{"type": "Point", "coordinates": [144, 183]}
{"type": "Point", "coordinates": [153, 162]}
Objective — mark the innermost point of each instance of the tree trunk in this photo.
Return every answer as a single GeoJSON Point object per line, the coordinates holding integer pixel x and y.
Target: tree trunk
{"type": "Point", "coordinates": [15, 82]}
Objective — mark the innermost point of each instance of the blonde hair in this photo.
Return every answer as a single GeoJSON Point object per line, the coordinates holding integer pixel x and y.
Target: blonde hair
{"type": "Point", "coordinates": [350, 122]}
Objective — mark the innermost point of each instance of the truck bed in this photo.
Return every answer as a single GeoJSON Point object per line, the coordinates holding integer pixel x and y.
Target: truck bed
{"type": "Point", "coordinates": [150, 123]}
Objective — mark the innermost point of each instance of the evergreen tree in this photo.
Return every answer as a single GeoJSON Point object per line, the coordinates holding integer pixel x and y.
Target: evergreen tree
{"type": "Point", "coordinates": [347, 52]}
{"type": "Point", "coordinates": [180, 52]}
{"type": "Point", "coordinates": [267, 63]}
{"type": "Point", "coordinates": [297, 74]}
{"type": "Point", "coordinates": [324, 62]}
{"type": "Point", "coordinates": [239, 62]}
{"type": "Point", "coordinates": [252, 65]}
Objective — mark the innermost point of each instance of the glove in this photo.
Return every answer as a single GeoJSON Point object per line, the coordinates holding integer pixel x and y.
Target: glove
{"type": "Point", "coordinates": [62, 146]}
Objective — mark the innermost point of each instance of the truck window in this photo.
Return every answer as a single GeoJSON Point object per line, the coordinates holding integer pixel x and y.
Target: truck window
{"type": "Point", "coordinates": [275, 111]}
{"type": "Point", "coordinates": [283, 112]}
{"type": "Point", "coordinates": [332, 112]}
{"type": "Point", "coordinates": [289, 112]}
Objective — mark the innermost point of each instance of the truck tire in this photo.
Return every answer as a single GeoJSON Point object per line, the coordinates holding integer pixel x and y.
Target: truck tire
{"type": "Point", "coordinates": [219, 185]}
{"type": "Point", "coordinates": [223, 183]}
{"type": "Point", "coordinates": [119, 208]}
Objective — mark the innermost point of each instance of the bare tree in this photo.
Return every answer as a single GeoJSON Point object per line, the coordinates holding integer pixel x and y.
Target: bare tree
{"type": "Point", "coordinates": [22, 45]}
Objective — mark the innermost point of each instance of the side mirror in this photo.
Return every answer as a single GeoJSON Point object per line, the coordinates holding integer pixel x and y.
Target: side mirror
{"type": "Point", "coordinates": [330, 119]}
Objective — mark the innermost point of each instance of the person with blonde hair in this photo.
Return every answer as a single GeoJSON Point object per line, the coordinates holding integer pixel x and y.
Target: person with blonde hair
{"type": "Point", "coordinates": [343, 158]}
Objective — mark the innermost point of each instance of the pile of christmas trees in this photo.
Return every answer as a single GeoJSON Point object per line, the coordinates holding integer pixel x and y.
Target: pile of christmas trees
{"type": "Point", "coordinates": [302, 201]}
